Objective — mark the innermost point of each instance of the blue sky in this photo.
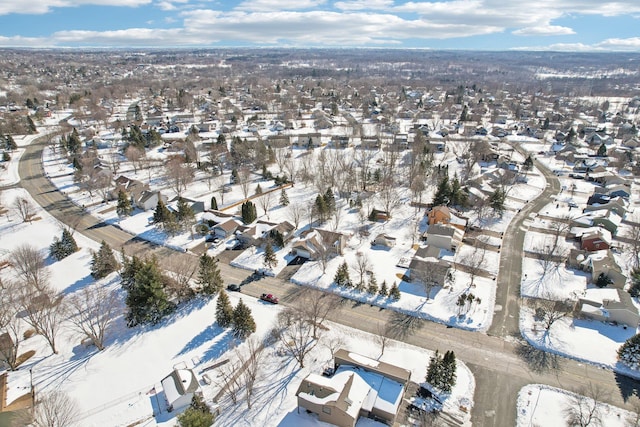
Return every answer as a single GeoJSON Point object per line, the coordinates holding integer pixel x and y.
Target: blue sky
{"type": "Point", "coordinates": [565, 25]}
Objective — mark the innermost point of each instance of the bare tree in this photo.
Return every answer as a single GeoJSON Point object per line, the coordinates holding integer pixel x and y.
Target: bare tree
{"type": "Point", "coordinates": [548, 312]}
{"type": "Point", "coordinates": [383, 336]}
{"type": "Point", "coordinates": [10, 330]}
{"type": "Point", "coordinates": [295, 212]}
{"type": "Point", "coordinates": [134, 155]}
{"type": "Point", "coordinates": [30, 266]}
{"type": "Point", "coordinates": [315, 307]}
{"type": "Point", "coordinates": [44, 311]}
{"type": "Point", "coordinates": [229, 380]}
{"type": "Point", "coordinates": [583, 408]}
{"type": "Point", "coordinates": [244, 179]}
{"type": "Point", "coordinates": [634, 235]}
{"type": "Point", "coordinates": [250, 362]}
{"type": "Point", "coordinates": [475, 261]}
{"type": "Point", "coordinates": [333, 344]}
{"type": "Point", "coordinates": [295, 334]}
{"type": "Point", "coordinates": [362, 266]}
{"type": "Point", "coordinates": [25, 209]}
{"type": "Point", "coordinates": [265, 201]}
{"type": "Point", "coordinates": [92, 310]}
{"type": "Point", "coordinates": [178, 174]}
{"type": "Point", "coordinates": [180, 270]}
{"type": "Point", "coordinates": [53, 409]}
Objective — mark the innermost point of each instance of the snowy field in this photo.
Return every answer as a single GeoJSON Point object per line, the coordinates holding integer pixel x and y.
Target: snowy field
{"type": "Point", "coordinates": [121, 385]}
{"type": "Point", "coordinates": [541, 405]}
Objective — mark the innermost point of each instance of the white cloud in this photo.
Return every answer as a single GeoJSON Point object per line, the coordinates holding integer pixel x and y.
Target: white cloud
{"type": "Point", "coordinates": [36, 7]}
{"type": "Point", "coordinates": [363, 5]}
{"type": "Point", "coordinates": [614, 44]}
{"type": "Point", "coordinates": [544, 30]}
{"type": "Point", "coordinates": [18, 41]}
{"type": "Point", "coordinates": [277, 5]}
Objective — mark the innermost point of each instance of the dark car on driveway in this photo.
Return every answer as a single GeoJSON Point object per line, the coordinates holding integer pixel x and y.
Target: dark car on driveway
{"type": "Point", "coordinates": [269, 298]}
{"type": "Point", "coordinates": [234, 287]}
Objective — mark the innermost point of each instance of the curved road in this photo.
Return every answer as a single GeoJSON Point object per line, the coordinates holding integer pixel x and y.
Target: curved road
{"type": "Point", "coordinates": [498, 365]}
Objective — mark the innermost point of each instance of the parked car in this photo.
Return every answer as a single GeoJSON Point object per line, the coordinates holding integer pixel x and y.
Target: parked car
{"type": "Point", "coordinates": [234, 287]}
{"type": "Point", "coordinates": [269, 298]}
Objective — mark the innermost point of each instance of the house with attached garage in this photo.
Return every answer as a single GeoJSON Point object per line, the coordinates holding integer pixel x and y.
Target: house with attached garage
{"type": "Point", "coordinates": [225, 229]}
{"type": "Point", "coordinates": [445, 236]}
{"type": "Point", "coordinates": [609, 305]}
{"type": "Point", "coordinates": [359, 387]}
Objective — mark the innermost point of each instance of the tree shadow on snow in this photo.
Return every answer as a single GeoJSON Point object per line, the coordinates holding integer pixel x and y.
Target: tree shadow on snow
{"type": "Point", "coordinates": [226, 342]}
{"type": "Point", "coordinates": [78, 284]}
{"type": "Point", "coordinates": [539, 361]}
{"type": "Point", "coordinates": [209, 333]}
{"type": "Point", "coordinates": [628, 386]}
{"type": "Point", "coordinates": [403, 325]}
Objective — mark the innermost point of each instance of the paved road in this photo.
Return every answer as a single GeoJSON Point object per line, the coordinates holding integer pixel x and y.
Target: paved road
{"type": "Point", "coordinates": [498, 364]}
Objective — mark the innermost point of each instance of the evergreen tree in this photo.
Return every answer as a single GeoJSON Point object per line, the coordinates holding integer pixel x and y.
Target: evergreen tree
{"type": "Point", "coordinates": [634, 290]}
{"type": "Point", "coordinates": [249, 213]}
{"type": "Point", "coordinates": [329, 201]}
{"type": "Point", "coordinates": [224, 310]}
{"type": "Point", "coordinates": [146, 298]}
{"type": "Point", "coordinates": [433, 371]}
{"type": "Point", "coordinates": [448, 373]}
{"type": "Point", "coordinates": [103, 262]}
{"type": "Point", "coordinates": [528, 163]}
{"type": "Point", "coordinates": [258, 189]}
{"type": "Point", "coordinates": [373, 286]}
{"type": "Point", "coordinates": [162, 213]}
{"type": "Point", "coordinates": [31, 126]}
{"type": "Point", "coordinates": [629, 352]}
{"type": "Point", "coordinates": [464, 116]}
{"type": "Point", "coordinates": [394, 292]}
{"type": "Point", "coordinates": [458, 196]}
{"type": "Point", "coordinates": [243, 323]}
{"type": "Point", "coordinates": [497, 199]}
{"type": "Point", "coordinates": [209, 277]}
{"type": "Point", "coordinates": [128, 272]}
{"type": "Point", "coordinates": [73, 142]}
{"type": "Point", "coordinates": [214, 203]}
{"type": "Point", "coordinates": [443, 192]}
{"type": "Point", "coordinates": [197, 414]}
{"type": "Point", "coordinates": [63, 247]}
{"type": "Point", "coordinates": [270, 260]}
{"type": "Point", "coordinates": [123, 207]}
{"type": "Point", "coordinates": [320, 207]}
{"type": "Point", "coordinates": [384, 291]}
{"type": "Point", "coordinates": [277, 238]}
{"type": "Point", "coordinates": [284, 199]}
{"type": "Point", "coordinates": [10, 143]}
{"type": "Point", "coordinates": [342, 276]}
{"type": "Point", "coordinates": [602, 150]}
{"type": "Point", "coordinates": [185, 215]}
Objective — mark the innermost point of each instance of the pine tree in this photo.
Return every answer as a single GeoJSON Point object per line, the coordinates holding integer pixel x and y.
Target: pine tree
{"type": "Point", "coordinates": [146, 299]}
{"type": "Point", "coordinates": [342, 276]}
{"type": "Point", "coordinates": [284, 199]}
{"type": "Point", "coordinates": [73, 142]}
{"type": "Point", "coordinates": [634, 290]}
{"type": "Point", "coordinates": [209, 277]}
{"type": "Point", "coordinates": [384, 291]}
{"type": "Point", "coordinates": [433, 371]}
{"type": "Point", "coordinates": [249, 213]}
{"type": "Point", "coordinates": [443, 192]}
{"type": "Point", "coordinates": [528, 163]}
{"type": "Point", "coordinates": [63, 247]}
{"type": "Point", "coordinates": [103, 262]}
{"type": "Point", "coordinates": [373, 286]}
{"type": "Point", "coordinates": [629, 352]}
{"type": "Point", "coordinates": [320, 207]}
{"type": "Point", "coordinates": [214, 203]}
{"type": "Point", "coordinates": [162, 213]}
{"type": "Point", "coordinates": [458, 196]}
{"type": "Point", "coordinates": [198, 414]}
{"type": "Point", "coordinates": [243, 323]}
{"type": "Point", "coordinates": [224, 310]}
{"type": "Point", "coordinates": [329, 201]}
{"type": "Point", "coordinates": [448, 373]}
{"type": "Point", "coordinates": [124, 207]}
{"type": "Point", "coordinates": [394, 292]}
{"type": "Point", "coordinates": [185, 215]}
{"type": "Point", "coordinates": [10, 143]}
{"type": "Point", "coordinates": [258, 189]}
{"type": "Point", "coordinates": [128, 273]}
{"type": "Point", "coordinates": [270, 260]}
{"type": "Point", "coordinates": [31, 126]}
{"type": "Point", "coordinates": [497, 199]}
{"type": "Point", "coordinates": [602, 150]}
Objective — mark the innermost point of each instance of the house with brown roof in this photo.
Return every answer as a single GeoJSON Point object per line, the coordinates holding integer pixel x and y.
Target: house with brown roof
{"type": "Point", "coordinates": [443, 215]}
{"type": "Point", "coordinates": [359, 387]}
{"type": "Point", "coordinates": [316, 242]}
{"type": "Point", "coordinates": [225, 229]}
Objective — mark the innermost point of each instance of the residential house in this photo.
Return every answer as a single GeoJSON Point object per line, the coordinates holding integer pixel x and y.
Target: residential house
{"type": "Point", "coordinates": [607, 219]}
{"type": "Point", "coordinates": [255, 234]}
{"type": "Point", "coordinates": [131, 187]}
{"type": "Point", "coordinates": [384, 240]}
{"type": "Point", "coordinates": [429, 271]}
{"type": "Point", "coordinates": [308, 140]}
{"type": "Point", "coordinates": [609, 305]}
{"type": "Point", "coordinates": [225, 229]}
{"type": "Point", "coordinates": [148, 200]}
{"type": "Point", "coordinates": [618, 190]}
{"type": "Point", "coordinates": [317, 242]}
{"type": "Point", "coordinates": [598, 263]}
{"type": "Point", "coordinates": [443, 236]}
{"type": "Point", "coordinates": [616, 204]}
{"type": "Point", "coordinates": [595, 239]}
{"type": "Point", "coordinates": [179, 388]}
{"type": "Point", "coordinates": [443, 215]}
{"type": "Point", "coordinates": [359, 387]}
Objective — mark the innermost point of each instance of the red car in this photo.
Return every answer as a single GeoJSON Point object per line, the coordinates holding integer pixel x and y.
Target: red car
{"type": "Point", "coordinates": [269, 298]}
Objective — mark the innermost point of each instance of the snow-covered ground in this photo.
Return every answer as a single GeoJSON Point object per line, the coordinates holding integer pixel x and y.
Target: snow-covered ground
{"type": "Point", "coordinates": [121, 385]}
{"type": "Point", "coordinates": [541, 405]}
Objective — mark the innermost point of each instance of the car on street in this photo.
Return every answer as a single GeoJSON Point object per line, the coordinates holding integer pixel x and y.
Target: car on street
{"type": "Point", "coordinates": [234, 287]}
{"type": "Point", "coordinates": [269, 298]}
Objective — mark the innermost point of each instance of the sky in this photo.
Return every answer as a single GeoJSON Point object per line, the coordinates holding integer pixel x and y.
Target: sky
{"type": "Point", "coordinates": [560, 25]}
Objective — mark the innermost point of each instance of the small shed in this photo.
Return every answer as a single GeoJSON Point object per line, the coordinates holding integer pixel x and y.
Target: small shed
{"type": "Point", "coordinates": [179, 387]}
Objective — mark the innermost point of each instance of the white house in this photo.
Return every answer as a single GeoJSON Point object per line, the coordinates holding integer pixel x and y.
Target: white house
{"type": "Point", "coordinates": [179, 387]}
